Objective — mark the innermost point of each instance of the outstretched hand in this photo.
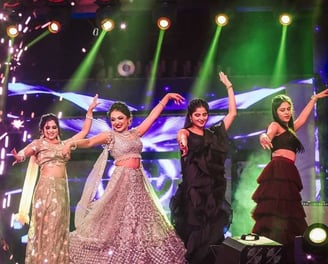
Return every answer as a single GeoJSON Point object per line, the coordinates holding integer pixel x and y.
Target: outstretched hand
{"type": "Point", "coordinates": [265, 141]}
{"type": "Point", "coordinates": [184, 149]}
{"type": "Point", "coordinates": [16, 156]}
{"type": "Point", "coordinates": [177, 98]}
{"type": "Point", "coordinates": [224, 79]}
{"type": "Point", "coordinates": [94, 103]}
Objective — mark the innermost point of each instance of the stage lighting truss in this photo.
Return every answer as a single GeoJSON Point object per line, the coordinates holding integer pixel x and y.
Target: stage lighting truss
{"type": "Point", "coordinates": [315, 239]}
{"type": "Point", "coordinates": [221, 20]}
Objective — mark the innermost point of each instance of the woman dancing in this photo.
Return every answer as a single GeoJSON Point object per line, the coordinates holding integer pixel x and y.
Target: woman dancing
{"type": "Point", "coordinates": [127, 223]}
{"type": "Point", "coordinates": [199, 210]}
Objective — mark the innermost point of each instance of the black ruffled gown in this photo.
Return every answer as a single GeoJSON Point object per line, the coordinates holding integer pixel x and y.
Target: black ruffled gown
{"type": "Point", "coordinates": [199, 210]}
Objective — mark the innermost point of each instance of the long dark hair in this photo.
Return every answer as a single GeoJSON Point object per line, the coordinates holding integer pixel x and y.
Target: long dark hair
{"type": "Point", "coordinates": [276, 102]}
{"type": "Point", "coordinates": [192, 106]}
{"type": "Point", "coordinates": [46, 118]}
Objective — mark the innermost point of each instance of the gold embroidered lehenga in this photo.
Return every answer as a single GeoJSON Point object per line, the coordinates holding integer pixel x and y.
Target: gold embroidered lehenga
{"type": "Point", "coordinates": [49, 226]}
{"type": "Point", "coordinates": [127, 224]}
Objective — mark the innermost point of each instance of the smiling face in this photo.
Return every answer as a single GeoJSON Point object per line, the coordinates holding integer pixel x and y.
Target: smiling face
{"type": "Point", "coordinates": [284, 112]}
{"type": "Point", "coordinates": [199, 117]}
{"type": "Point", "coordinates": [50, 130]}
{"type": "Point", "coordinates": [119, 121]}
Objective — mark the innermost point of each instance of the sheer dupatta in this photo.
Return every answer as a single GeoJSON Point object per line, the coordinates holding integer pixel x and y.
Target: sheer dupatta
{"type": "Point", "coordinates": [28, 188]}
{"type": "Point", "coordinates": [90, 187]}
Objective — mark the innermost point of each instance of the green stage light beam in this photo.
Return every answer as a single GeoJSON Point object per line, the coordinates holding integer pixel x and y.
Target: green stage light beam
{"type": "Point", "coordinates": [150, 87]}
{"type": "Point", "coordinates": [78, 79]}
{"type": "Point", "coordinates": [39, 38]}
{"type": "Point", "coordinates": [205, 72]}
{"type": "Point", "coordinates": [279, 72]}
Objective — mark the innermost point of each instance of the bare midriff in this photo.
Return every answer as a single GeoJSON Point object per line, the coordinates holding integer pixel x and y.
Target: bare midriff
{"type": "Point", "coordinates": [284, 153]}
{"type": "Point", "coordinates": [133, 163]}
{"type": "Point", "coordinates": [58, 170]}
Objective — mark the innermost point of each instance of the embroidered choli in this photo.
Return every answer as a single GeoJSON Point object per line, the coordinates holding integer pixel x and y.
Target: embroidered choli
{"type": "Point", "coordinates": [126, 145]}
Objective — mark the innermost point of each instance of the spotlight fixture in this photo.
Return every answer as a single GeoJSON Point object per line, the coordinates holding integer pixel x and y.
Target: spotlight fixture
{"type": "Point", "coordinates": [126, 68]}
{"type": "Point", "coordinates": [315, 238]}
{"type": "Point", "coordinates": [12, 31]}
{"type": "Point", "coordinates": [107, 24]}
{"type": "Point", "coordinates": [221, 19]}
{"type": "Point", "coordinates": [285, 19]}
{"type": "Point", "coordinates": [164, 14]}
{"type": "Point", "coordinates": [312, 247]}
{"type": "Point", "coordinates": [163, 23]}
{"type": "Point", "coordinates": [54, 26]}
{"type": "Point", "coordinates": [59, 17]}
{"type": "Point", "coordinates": [105, 17]}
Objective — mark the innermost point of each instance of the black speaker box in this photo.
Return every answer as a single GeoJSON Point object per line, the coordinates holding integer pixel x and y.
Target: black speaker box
{"type": "Point", "coordinates": [235, 250]}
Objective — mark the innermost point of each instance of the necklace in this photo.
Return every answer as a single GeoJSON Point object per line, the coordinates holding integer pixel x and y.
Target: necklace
{"type": "Point", "coordinates": [124, 133]}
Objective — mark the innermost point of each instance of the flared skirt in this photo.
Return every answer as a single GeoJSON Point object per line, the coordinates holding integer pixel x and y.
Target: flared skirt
{"type": "Point", "coordinates": [126, 225]}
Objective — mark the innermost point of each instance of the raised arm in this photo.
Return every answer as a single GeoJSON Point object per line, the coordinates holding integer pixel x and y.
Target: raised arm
{"type": "Point", "coordinates": [157, 110]}
{"type": "Point", "coordinates": [301, 119]}
{"type": "Point", "coordinates": [88, 120]}
{"type": "Point", "coordinates": [232, 111]}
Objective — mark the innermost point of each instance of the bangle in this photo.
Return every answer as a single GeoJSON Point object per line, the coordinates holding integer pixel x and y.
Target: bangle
{"type": "Point", "coordinates": [21, 154]}
{"type": "Point", "coordinates": [88, 117]}
{"type": "Point", "coordinates": [264, 135]}
{"type": "Point", "coordinates": [161, 103]}
{"type": "Point", "coordinates": [229, 86]}
{"type": "Point", "coordinates": [313, 97]}
{"type": "Point", "coordinates": [74, 147]}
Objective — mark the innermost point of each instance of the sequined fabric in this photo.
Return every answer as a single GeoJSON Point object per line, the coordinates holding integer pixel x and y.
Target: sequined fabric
{"type": "Point", "coordinates": [125, 145]}
{"type": "Point", "coordinates": [49, 227]}
{"type": "Point", "coordinates": [127, 224]}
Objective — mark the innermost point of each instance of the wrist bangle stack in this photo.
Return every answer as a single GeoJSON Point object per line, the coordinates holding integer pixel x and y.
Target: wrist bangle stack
{"type": "Point", "coordinates": [88, 117]}
{"type": "Point", "coordinates": [161, 103]}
